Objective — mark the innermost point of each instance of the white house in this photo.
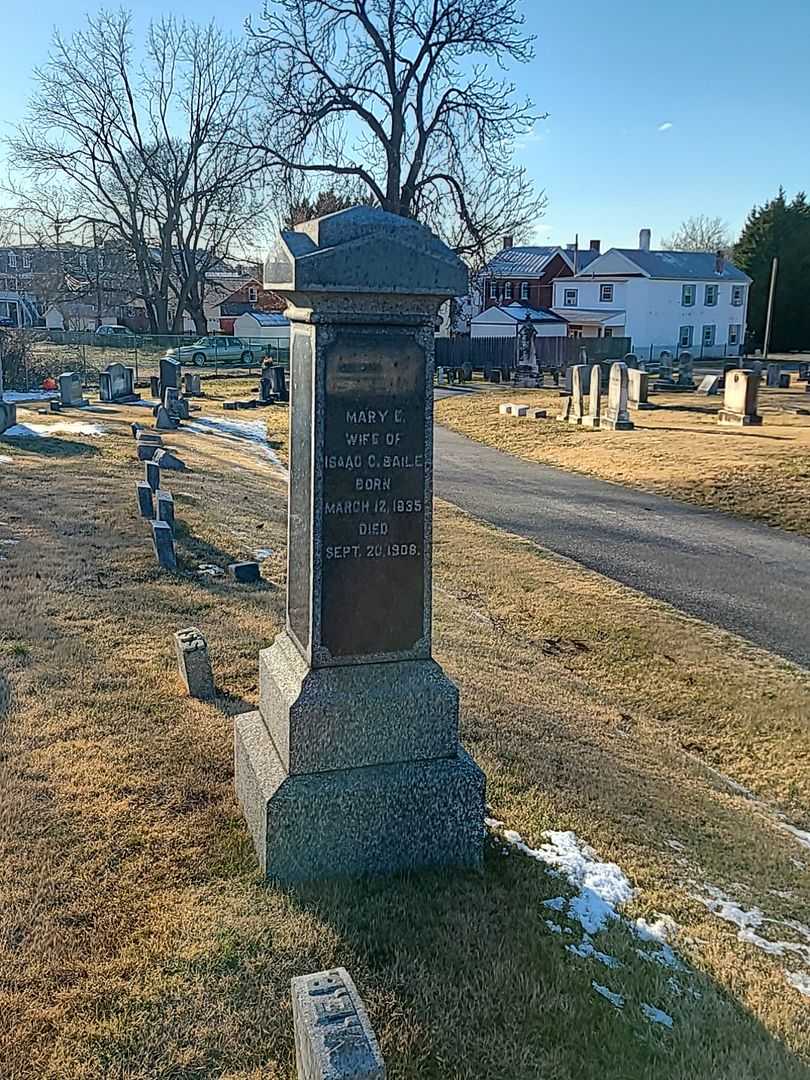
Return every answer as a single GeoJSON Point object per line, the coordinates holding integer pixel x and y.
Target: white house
{"type": "Point", "coordinates": [506, 321]}
{"type": "Point", "coordinates": [673, 300]}
{"type": "Point", "coordinates": [262, 324]}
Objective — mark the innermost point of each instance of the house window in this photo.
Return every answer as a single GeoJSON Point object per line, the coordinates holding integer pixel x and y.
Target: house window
{"type": "Point", "coordinates": [100, 260]}
{"type": "Point", "coordinates": [737, 295]}
{"type": "Point", "coordinates": [734, 333]}
{"type": "Point", "coordinates": [608, 331]}
{"type": "Point", "coordinates": [507, 291]}
{"type": "Point", "coordinates": [83, 261]}
{"type": "Point", "coordinates": [708, 335]}
{"type": "Point", "coordinates": [253, 294]}
{"type": "Point", "coordinates": [685, 337]}
{"type": "Point", "coordinates": [493, 289]}
{"type": "Point", "coordinates": [570, 297]}
{"type": "Point", "coordinates": [12, 260]}
{"type": "Point", "coordinates": [524, 290]}
{"type": "Point", "coordinates": [606, 294]}
{"type": "Point", "coordinates": [26, 261]}
{"type": "Point", "coordinates": [710, 298]}
{"type": "Point", "coordinates": [575, 331]}
{"type": "Point", "coordinates": [687, 296]}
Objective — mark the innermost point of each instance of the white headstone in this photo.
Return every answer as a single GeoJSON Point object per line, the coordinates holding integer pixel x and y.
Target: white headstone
{"type": "Point", "coordinates": [740, 399]}
{"type": "Point", "coordinates": [616, 417]}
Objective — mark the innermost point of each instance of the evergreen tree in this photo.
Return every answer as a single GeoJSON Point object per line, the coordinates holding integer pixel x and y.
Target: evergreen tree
{"type": "Point", "coordinates": [779, 228]}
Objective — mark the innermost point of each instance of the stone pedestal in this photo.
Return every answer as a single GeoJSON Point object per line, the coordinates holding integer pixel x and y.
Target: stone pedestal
{"type": "Point", "coordinates": [740, 400]}
{"type": "Point", "coordinates": [352, 764]}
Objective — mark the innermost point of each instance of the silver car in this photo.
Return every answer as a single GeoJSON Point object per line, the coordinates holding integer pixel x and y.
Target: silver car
{"type": "Point", "coordinates": [213, 350]}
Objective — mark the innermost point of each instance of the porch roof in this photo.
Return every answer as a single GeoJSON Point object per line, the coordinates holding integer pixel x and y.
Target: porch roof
{"type": "Point", "coordinates": [588, 316]}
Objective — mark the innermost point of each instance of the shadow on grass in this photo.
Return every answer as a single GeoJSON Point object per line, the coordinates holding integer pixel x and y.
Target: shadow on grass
{"type": "Point", "coordinates": [199, 552]}
{"type": "Point", "coordinates": [52, 447]}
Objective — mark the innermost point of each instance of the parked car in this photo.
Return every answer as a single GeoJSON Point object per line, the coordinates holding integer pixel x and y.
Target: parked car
{"type": "Point", "coordinates": [210, 350]}
{"type": "Point", "coordinates": [108, 330]}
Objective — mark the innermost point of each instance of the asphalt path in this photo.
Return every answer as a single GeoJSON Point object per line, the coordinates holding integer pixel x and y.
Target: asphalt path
{"type": "Point", "coordinates": [747, 578]}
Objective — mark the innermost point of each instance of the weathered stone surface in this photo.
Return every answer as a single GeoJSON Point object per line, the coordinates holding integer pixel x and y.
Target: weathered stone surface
{"type": "Point", "coordinates": [8, 415]}
{"type": "Point", "coordinates": [773, 375]}
{"type": "Point", "coordinates": [163, 421]}
{"type": "Point", "coordinates": [616, 416]}
{"type": "Point", "coordinates": [169, 374]}
{"type": "Point", "coordinates": [245, 572]}
{"type": "Point", "coordinates": [145, 451]}
{"type": "Point", "coordinates": [164, 507]}
{"type": "Point", "coordinates": [354, 822]}
{"type": "Point", "coordinates": [638, 389]}
{"type": "Point", "coordinates": [194, 663]}
{"type": "Point", "coordinates": [145, 495]}
{"type": "Point", "coordinates": [70, 389]}
{"type": "Point", "coordinates": [665, 368]}
{"type": "Point", "coordinates": [579, 373]}
{"type": "Point", "coordinates": [192, 384]}
{"type": "Point", "coordinates": [567, 410]}
{"type": "Point", "coordinates": [537, 414]}
{"type": "Point", "coordinates": [164, 545]}
{"type": "Point", "coordinates": [116, 384]}
{"type": "Point", "coordinates": [334, 1039]}
{"type": "Point", "coordinates": [167, 460]}
{"type": "Point", "coordinates": [709, 385]}
{"type": "Point", "coordinates": [152, 474]}
{"type": "Point", "coordinates": [593, 417]}
{"type": "Point", "coordinates": [506, 408]}
{"type": "Point", "coordinates": [339, 717]}
{"type": "Point", "coordinates": [740, 400]}
{"type": "Point", "coordinates": [686, 368]}
{"type": "Point", "coordinates": [154, 387]}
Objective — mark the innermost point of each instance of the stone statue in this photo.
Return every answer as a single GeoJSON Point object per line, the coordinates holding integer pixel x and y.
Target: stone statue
{"type": "Point", "coordinates": [526, 335]}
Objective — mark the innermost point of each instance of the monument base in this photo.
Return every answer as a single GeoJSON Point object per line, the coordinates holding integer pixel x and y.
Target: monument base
{"type": "Point", "coordinates": [380, 819]}
{"type": "Point", "coordinates": [591, 421]}
{"type": "Point", "coordinates": [616, 425]}
{"type": "Point", "coordinates": [733, 419]}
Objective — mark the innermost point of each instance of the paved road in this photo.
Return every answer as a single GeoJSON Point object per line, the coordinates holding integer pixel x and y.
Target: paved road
{"type": "Point", "coordinates": [747, 578]}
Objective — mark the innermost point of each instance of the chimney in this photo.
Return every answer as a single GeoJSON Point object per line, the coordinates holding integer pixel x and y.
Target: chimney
{"type": "Point", "coordinates": [596, 245]}
{"type": "Point", "coordinates": [507, 242]}
{"type": "Point", "coordinates": [644, 240]}
{"type": "Point", "coordinates": [719, 262]}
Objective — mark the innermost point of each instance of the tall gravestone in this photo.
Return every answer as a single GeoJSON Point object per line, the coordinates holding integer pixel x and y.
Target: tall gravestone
{"type": "Point", "coordinates": [169, 375]}
{"type": "Point", "coordinates": [638, 389]}
{"type": "Point", "coordinates": [616, 417]}
{"type": "Point", "coordinates": [70, 389]}
{"type": "Point", "coordinates": [579, 373]}
{"type": "Point", "coordinates": [352, 764]}
{"type": "Point", "coordinates": [740, 400]}
{"type": "Point", "coordinates": [592, 418]}
{"type": "Point", "coordinates": [117, 383]}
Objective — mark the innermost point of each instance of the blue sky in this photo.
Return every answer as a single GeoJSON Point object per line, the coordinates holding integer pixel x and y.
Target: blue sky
{"type": "Point", "coordinates": [656, 110]}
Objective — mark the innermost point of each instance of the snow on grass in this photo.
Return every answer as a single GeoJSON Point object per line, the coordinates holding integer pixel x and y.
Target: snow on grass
{"type": "Point", "coordinates": [799, 982]}
{"type": "Point", "coordinates": [210, 570]}
{"type": "Point", "coordinates": [660, 933]}
{"type": "Point", "coordinates": [553, 927]}
{"type": "Point", "coordinates": [614, 999]}
{"type": "Point", "coordinates": [253, 432]}
{"type": "Point", "coordinates": [61, 427]}
{"type": "Point", "coordinates": [262, 554]}
{"type": "Point", "coordinates": [602, 886]}
{"type": "Point", "coordinates": [802, 836]}
{"type": "Point", "coordinates": [587, 951]}
{"type": "Point", "coordinates": [656, 1016]}
{"type": "Point", "coordinates": [14, 397]}
{"type": "Point", "coordinates": [6, 460]}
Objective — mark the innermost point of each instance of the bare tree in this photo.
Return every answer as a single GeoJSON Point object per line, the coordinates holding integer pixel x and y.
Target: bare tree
{"type": "Point", "coordinates": [149, 151]}
{"type": "Point", "coordinates": [700, 233]}
{"type": "Point", "coordinates": [396, 95]}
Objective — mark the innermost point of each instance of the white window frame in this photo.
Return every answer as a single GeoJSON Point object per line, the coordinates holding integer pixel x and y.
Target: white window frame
{"type": "Point", "coordinates": [575, 331]}
{"type": "Point", "coordinates": [737, 295]}
{"type": "Point", "coordinates": [711, 291]}
{"type": "Point", "coordinates": [83, 261]}
{"type": "Point", "coordinates": [524, 290]}
{"type": "Point", "coordinates": [12, 260]}
{"type": "Point", "coordinates": [734, 330]}
{"type": "Point", "coordinates": [606, 293]}
{"type": "Point", "coordinates": [253, 294]}
{"type": "Point", "coordinates": [27, 260]}
{"type": "Point", "coordinates": [607, 332]}
{"type": "Point", "coordinates": [493, 289]}
{"type": "Point", "coordinates": [507, 290]}
{"type": "Point", "coordinates": [712, 334]}
{"type": "Point", "coordinates": [685, 337]}
{"type": "Point", "coordinates": [569, 293]}
{"type": "Point", "coordinates": [690, 291]}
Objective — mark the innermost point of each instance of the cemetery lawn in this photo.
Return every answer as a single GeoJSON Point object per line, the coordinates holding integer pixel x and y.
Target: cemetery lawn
{"type": "Point", "coordinates": [136, 939]}
{"type": "Point", "coordinates": [678, 449]}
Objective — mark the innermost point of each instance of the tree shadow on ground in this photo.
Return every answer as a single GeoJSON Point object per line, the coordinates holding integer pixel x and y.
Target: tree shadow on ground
{"type": "Point", "coordinates": [198, 552]}
{"type": "Point", "coordinates": [51, 447]}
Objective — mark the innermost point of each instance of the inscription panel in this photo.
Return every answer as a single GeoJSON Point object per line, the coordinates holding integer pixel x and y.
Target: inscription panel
{"type": "Point", "coordinates": [373, 503]}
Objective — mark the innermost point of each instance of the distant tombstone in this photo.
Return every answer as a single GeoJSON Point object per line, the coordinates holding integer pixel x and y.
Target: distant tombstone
{"type": "Point", "coordinates": [567, 410]}
{"type": "Point", "coordinates": [726, 369]}
{"type": "Point", "coordinates": [579, 373]}
{"type": "Point", "coordinates": [146, 507]}
{"type": "Point", "coordinates": [773, 376]}
{"type": "Point", "coordinates": [638, 389]}
{"type": "Point", "coordinates": [710, 385]}
{"type": "Point", "coordinates": [116, 384]}
{"type": "Point", "coordinates": [169, 374]}
{"type": "Point", "coordinates": [740, 400]}
{"type": "Point", "coordinates": [165, 459]}
{"type": "Point", "coordinates": [616, 416]}
{"type": "Point", "coordinates": [631, 360]}
{"type": "Point", "coordinates": [154, 386]}
{"type": "Point", "coordinates": [756, 368]}
{"type": "Point", "coordinates": [8, 415]}
{"type": "Point", "coordinates": [334, 1039]}
{"type": "Point", "coordinates": [804, 373]}
{"type": "Point", "coordinates": [152, 474]}
{"type": "Point", "coordinates": [163, 420]}
{"type": "Point", "coordinates": [592, 418]}
{"type": "Point", "coordinates": [246, 573]}
{"type": "Point", "coordinates": [194, 663]}
{"type": "Point", "coordinates": [266, 385]}
{"type": "Point", "coordinates": [164, 506]}
{"type": "Point", "coordinates": [665, 369]}
{"type": "Point", "coordinates": [70, 389]}
{"type": "Point", "coordinates": [164, 545]}
{"type": "Point", "coordinates": [784, 380]}
{"type": "Point", "coordinates": [175, 404]}
{"type": "Point", "coordinates": [192, 384]}
{"type": "Point", "coordinates": [686, 371]}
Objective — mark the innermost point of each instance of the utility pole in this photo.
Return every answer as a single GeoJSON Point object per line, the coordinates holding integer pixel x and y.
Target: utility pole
{"type": "Point", "coordinates": [98, 277]}
{"type": "Point", "coordinates": [769, 317]}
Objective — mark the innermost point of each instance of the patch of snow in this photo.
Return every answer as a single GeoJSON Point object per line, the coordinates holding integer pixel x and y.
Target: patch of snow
{"type": "Point", "coordinates": [614, 999]}
{"type": "Point", "coordinates": [799, 982]}
{"type": "Point", "coordinates": [61, 427]}
{"type": "Point", "coordinates": [674, 986]}
{"type": "Point", "coordinates": [656, 1016]}
{"type": "Point", "coordinates": [262, 554]}
{"type": "Point", "coordinates": [9, 541]}
{"type": "Point", "coordinates": [557, 903]}
{"type": "Point", "coordinates": [493, 823]}
{"type": "Point", "coordinates": [747, 922]}
{"type": "Point", "coordinates": [676, 845]}
{"type": "Point", "coordinates": [660, 932]}
{"type": "Point", "coordinates": [802, 836]}
{"type": "Point", "coordinates": [210, 569]}
{"type": "Point", "coordinates": [553, 927]}
{"type": "Point", "coordinates": [586, 951]}
{"type": "Point", "coordinates": [6, 460]}
{"type": "Point", "coordinates": [250, 431]}
{"type": "Point", "coordinates": [14, 397]}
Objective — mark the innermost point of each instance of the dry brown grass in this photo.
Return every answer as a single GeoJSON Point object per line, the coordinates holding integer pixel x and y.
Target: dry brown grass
{"type": "Point", "coordinates": [135, 937]}
{"type": "Point", "coordinates": [678, 449]}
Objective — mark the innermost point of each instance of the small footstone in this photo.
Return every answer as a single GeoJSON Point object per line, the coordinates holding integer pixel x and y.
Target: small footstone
{"type": "Point", "coordinates": [245, 572]}
{"type": "Point", "coordinates": [164, 545]}
{"type": "Point", "coordinates": [152, 475]}
{"type": "Point", "coordinates": [145, 451]}
{"type": "Point", "coordinates": [194, 663]}
{"type": "Point", "coordinates": [134, 428]}
{"type": "Point", "coordinates": [167, 460]}
{"type": "Point", "coordinates": [149, 437]}
{"type": "Point", "coordinates": [164, 422]}
{"type": "Point", "coordinates": [506, 408]}
{"type": "Point", "coordinates": [537, 414]}
{"type": "Point", "coordinates": [145, 504]}
{"type": "Point", "coordinates": [334, 1039]}
{"type": "Point", "coordinates": [164, 504]}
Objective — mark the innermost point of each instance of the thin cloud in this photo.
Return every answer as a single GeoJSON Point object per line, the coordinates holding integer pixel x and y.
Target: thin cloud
{"type": "Point", "coordinates": [665, 126]}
